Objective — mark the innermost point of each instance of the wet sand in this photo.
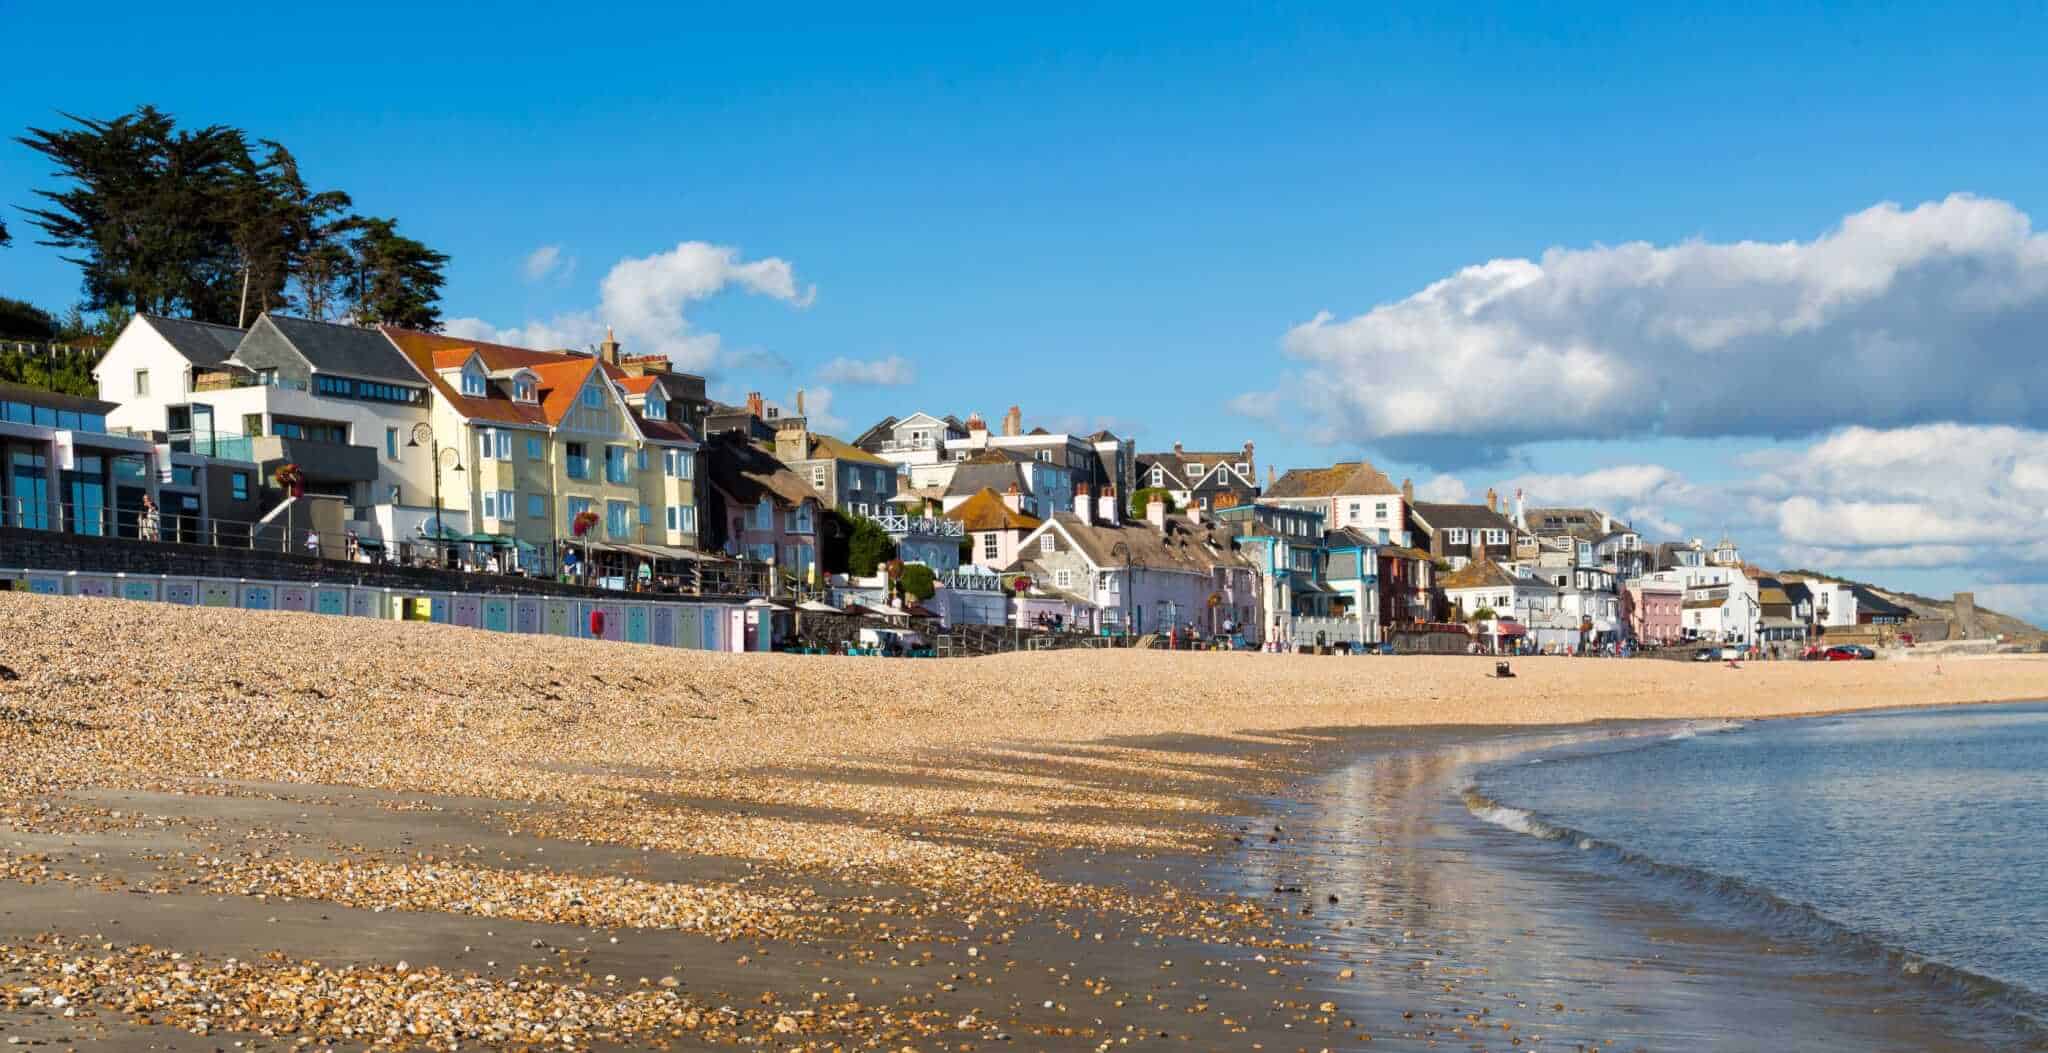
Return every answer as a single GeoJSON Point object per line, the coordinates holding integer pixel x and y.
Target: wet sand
{"type": "Point", "coordinates": [356, 832]}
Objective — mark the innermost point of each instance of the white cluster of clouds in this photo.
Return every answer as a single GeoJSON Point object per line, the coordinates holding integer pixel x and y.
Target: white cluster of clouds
{"type": "Point", "coordinates": [1895, 317]}
{"type": "Point", "coordinates": [1969, 500]}
{"type": "Point", "coordinates": [645, 300]}
{"type": "Point", "coordinates": [547, 261]}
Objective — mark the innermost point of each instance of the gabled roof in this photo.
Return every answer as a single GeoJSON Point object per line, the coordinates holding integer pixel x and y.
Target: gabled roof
{"type": "Point", "coordinates": [432, 352]}
{"type": "Point", "coordinates": [1581, 523]}
{"type": "Point", "coordinates": [343, 349]}
{"type": "Point", "coordinates": [1350, 537]}
{"type": "Point", "coordinates": [202, 343]}
{"type": "Point", "coordinates": [560, 384]}
{"type": "Point", "coordinates": [1459, 517]}
{"type": "Point", "coordinates": [1218, 468]}
{"type": "Point", "coordinates": [986, 511]}
{"type": "Point", "coordinates": [1342, 479]}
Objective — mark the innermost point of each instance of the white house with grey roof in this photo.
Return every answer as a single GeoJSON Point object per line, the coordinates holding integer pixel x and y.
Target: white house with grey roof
{"type": "Point", "coordinates": [339, 401]}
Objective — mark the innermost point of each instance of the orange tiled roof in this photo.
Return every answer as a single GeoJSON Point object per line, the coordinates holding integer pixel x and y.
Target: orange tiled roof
{"type": "Point", "coordinates": [560, 382]}
{"type": "Point", "coordinates": [430, 353]}
{"type": "Point", "coordinates": [986, 511]}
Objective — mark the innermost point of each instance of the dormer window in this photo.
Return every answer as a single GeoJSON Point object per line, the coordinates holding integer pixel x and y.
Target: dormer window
{"type": "Point", "coordinates": [656, 407]}
{"type": "Point", "coordinates": [525, 390]}
{"type": "Point", "coordinates": [475, 384]}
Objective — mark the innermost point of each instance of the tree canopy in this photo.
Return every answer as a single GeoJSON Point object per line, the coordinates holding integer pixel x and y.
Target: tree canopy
{"type": "Point", "coordinates": [206, 224]}
{"type": "Point", "coordinates": [868, 547]}
{"type": "Point", "coordinates": [1143, 496]}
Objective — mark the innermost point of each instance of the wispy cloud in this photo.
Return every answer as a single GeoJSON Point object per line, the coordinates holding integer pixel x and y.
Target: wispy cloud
{"type": "Point", "coordinates": [545, 261]}
{"type": "Point", "coordinates": [893, 371]}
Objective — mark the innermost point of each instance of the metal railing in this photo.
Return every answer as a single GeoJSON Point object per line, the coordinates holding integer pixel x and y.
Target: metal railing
{"type": "Point", "coordinates": [899, 525]}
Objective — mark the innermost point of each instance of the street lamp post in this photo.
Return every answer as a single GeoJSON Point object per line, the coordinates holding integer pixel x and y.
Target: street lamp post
{"type": "Point", "coordinates": [1130, 585]}
{"type": "Point", "coordinates": [424, 431]}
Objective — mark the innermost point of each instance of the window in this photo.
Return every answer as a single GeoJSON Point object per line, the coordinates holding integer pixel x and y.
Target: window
{"type": "Point", "coordinates": [239, 482]}
{"type": "Point", "coordinates": [655, 408]}
{"type": "Point", "coordinates": [764, 515]}
{"type": "Point", "coordinates": [672, 518]}
{"type": "Point", "coordinates": [1046, 543]}
{"type": "Point", "coordinates": [800, 519]}
{"type": "Point", "coordinates": [536, 449]}
{"type": "Point", "coordinates": [1454, 536]}
{"type": "Point", "coordinates": [571, 508]}
{"type": "Point", "coordinates": [1496, 537]}
{"type": "Point", "coordinates": [646, 516]}
{"type": "Point", "coordinates": [688, 517]}
{"type": "Point", "coordinates": [1158, 476]}
{"type": "Point", "coordinates": [579, 460]}
{"type": "Point", "coordinates": [474, 384]}
{"type": "Point", "coordinates": [1194, 470]}
{"type": "Point", "coordinates": [142, 383]}
{"type": "Point", "coordinates": [1063, 578]}
{"type": "Point", "coordinates": [523, 390]}
{"type": "Point", "coordinates": [391, 443]}
{"type": "Point", "coordinates": [1379, 511]}
{"type": "Point", "coordinates": [504, 444]}
{"type": "Point", "coordinates": [593, 397]}
{"type": "Point", "coordinates": [490, 504]}
{"type": "Point", "coordinates": [677, 464]}
{"type": "Point", "coordinates": [991, 548]}
{"type": "Point", "coordinates": [615, 464]}
{"type": "Point", "coordinates": [1244, 469]}
{"type": "Point", "coordinates": [818, 476]}
{"type": "Point", "coordinates": [508, 504]}
{"type": "Point", "coordinates": [1043, 455]}
{"type": "Point", "coordinates": [536, 506]}
{"type": "Point", "coordinates": [615, 517]}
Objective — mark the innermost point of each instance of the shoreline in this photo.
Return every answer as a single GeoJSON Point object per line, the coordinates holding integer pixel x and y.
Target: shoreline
{"type": "Point", "coordinates": [810, 848]}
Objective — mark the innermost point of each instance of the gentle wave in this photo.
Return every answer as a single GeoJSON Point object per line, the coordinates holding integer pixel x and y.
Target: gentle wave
{"type": "Point", "coordinates": [2028, 1008]}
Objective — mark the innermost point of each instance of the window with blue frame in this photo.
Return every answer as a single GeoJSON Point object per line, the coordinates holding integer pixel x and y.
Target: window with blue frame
{"type": "Point", "coordinates": [238, 484]}
{"type": "Point", "coordinates": [616, 518]}
{"type": "Point", "coordinates": [578, 456]}
{"type": "Point", "coordinates": [536, 506]}
{"type": "Point", "coordinates": [593, 396]}
{"type": "Point", "coordinates": [615, 464]}
{"type": "Point", "coordinates": [536, 449]}
{"type": "Point", "coordinates": [573, 507]}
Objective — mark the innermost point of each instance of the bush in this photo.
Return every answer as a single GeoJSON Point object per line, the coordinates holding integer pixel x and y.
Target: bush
{"type": "Point", "coordinates": [868, 547]}
{"type": "Point", "coordinates": [918, 582]}
{"type": "Point", "coordinates": [1143, 497]}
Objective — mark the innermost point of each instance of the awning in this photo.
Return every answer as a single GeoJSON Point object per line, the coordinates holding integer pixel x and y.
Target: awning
{"type": "Point", "coordinates": [369, 542]}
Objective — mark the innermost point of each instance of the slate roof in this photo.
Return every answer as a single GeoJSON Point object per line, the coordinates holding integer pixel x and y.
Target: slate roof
{"type": "Point", "coordinates": [1341, 479]}
{"type": "Point", "coordinates": [345, 349]}
{"type": "Point", "coordinates": [1867, 600]}
{"type": "Point", "coordinates": [989, 469]}
{"type": "Point", "coordinates": [1467, 517]}
{"type": "Point", "coordinates": [986, 511]}
{"type": "Point", "coordinates": [825, 447]}
{"type": "Point", "coordinates": [1176, 465]}
{"type": "Point", "coordinates": [1350, 537]}
{"type": "Point", "coordinates": [202, 343]}
{"type": "Point", "coordinates": [1583, 523]}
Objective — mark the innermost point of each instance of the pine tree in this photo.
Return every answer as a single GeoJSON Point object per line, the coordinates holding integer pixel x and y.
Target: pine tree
{"type": "Point", "coordinates": [395, 280]}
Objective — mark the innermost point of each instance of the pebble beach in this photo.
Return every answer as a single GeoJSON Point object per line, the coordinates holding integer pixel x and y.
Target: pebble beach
{"type": "Point", "coordinates": [266, 830]}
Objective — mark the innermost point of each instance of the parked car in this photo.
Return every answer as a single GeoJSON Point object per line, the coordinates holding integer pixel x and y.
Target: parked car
{"type": "Point", "coordinates": [1707, 654]}
{"type": "Point", "coordinates": [1848, 653]}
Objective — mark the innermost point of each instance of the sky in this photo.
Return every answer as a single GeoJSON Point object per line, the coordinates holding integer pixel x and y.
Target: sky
{"type": "Point", "coordinates": [1772, 272]}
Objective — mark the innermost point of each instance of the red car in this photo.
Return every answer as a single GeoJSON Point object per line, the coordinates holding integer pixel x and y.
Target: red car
{"type": "Point", "coordinates": [1848, 653]}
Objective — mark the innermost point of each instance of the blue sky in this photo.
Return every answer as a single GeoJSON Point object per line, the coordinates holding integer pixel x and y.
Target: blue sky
{"type": "Point", "coordinates": [1134, 216]}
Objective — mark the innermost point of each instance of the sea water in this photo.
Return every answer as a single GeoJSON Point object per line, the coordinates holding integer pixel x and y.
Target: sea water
{"type": "Point", "coordinates": [1912, 842]}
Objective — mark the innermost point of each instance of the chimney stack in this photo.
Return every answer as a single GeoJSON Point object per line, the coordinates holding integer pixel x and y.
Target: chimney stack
{"type": "Point", "coordinates": [976, 426]}
{"type": "Point", "coordinates": [609, 350]}
{"type": "Point", "coordinates": [1492, 500]}
{"type": "Point", "coordinates": [1408, 490]}
{"type": "Point", "coordinates": [1106, 504]}
{"type": "Point", "coordinates": [1013, 498]}
{"type": "Point", "coordinates": [799, 402]}
{"type": "Point", "coordinates": [1521, 511]}
{"type": "Point", "coordinates": [1013, 422]}
{"type": "Point", "coordinates": [754, 404]}
{"type": "Point", "coordinates": [1155, 512]}
{"type": "Point", "coordinates": [1084, 507]}
{"type": "Point", "coordinates": [1272, 476]}
{"type": "Point", "coordinates": [1176, 449]}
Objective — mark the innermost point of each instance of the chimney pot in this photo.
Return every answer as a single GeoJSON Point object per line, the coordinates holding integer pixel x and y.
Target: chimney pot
{"type": "Point", "coordinates": [1176, 449]}
{"type": "Point", "coordinates": [1155, 512]}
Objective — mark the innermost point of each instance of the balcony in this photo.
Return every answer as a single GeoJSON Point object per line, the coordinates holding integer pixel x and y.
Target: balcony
{"type": "Point", "coordinates": [321, 461]}
{"type": "Point", "coordinates": [909, 445]}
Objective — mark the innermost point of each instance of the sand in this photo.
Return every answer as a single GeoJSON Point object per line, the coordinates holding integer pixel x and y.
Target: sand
{"type": "Point", "coordinates": [780, 846]}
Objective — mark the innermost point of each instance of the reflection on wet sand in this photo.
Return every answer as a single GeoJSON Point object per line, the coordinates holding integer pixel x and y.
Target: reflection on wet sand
{"type": "Point", "coordinates": [1471, 933]}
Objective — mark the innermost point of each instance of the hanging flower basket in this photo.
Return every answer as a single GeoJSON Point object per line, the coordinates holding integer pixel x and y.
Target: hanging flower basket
{"type": "Point", "coordinates": [1215, 599]}
{"type": "Point", "coordinates": [290, 478]}
{"type": "Point", "coordinates": [1020, 584]}
{"type": "Point", "coordinates": [893, 568]}
{"type": "Point", "coordinates": [584, 523]}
